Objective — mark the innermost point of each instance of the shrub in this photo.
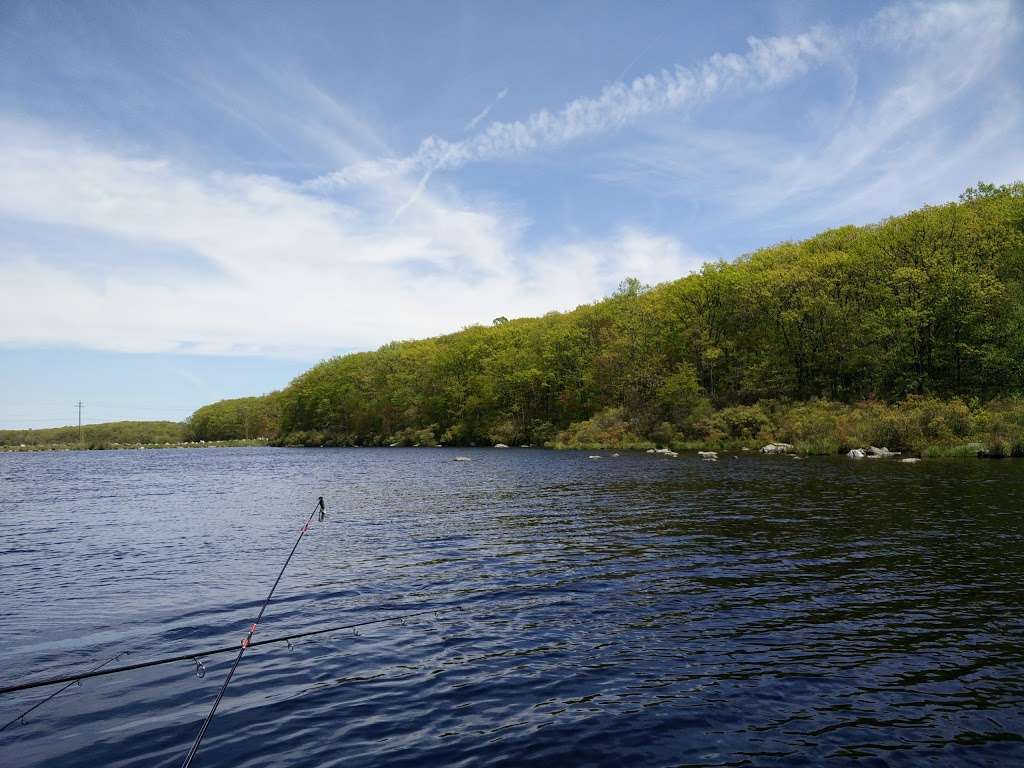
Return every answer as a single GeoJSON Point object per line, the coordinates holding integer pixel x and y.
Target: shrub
{"type": "Point", "coordinates": [506, 432]}
{"type": "Point", "coordinates": [414, 436]}
{"type": "Point", "coordinates": [740, 422]}
{"type": "Point", "coordinates": [609, 428]}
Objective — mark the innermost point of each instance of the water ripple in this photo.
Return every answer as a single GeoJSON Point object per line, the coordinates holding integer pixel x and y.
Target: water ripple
{"type": "Point", "coordinates": [636, 611]}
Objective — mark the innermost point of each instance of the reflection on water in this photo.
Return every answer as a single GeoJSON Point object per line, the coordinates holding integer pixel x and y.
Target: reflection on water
{"type": "Point", "coordinates": [633, 611]}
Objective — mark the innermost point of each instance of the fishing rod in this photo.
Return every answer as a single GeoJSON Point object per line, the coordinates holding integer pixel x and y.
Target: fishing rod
{"type": "Point", "coordinates": [69, 680]}
{"type": "Point", "coordinates": [196, 655]}
{"type": "Point", "coordinates": [247, 640]}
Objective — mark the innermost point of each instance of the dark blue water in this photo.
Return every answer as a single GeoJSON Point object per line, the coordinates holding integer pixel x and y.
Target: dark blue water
{"type": "Point", "coordinates": [629, 611]}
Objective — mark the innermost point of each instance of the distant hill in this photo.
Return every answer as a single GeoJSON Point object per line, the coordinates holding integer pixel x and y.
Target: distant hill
{"type": "Point", "coordinates": [929, 304]}
{"type": "Point", "coordinates": [109, 435]}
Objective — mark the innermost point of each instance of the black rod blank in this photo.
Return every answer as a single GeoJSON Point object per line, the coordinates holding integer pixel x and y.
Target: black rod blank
{"type": "Point", "coordinates": [59, 691]}
{"type": "Point", "coordinates": [211, 652]}
{"type": "Point", "coordinates": [247, 641]}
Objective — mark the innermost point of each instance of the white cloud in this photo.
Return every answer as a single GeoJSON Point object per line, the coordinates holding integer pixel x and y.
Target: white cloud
{"type": "Point", "coordinates": [303, 273]}
{"type": "Point", "coordinates": [889, 144]}
{"type": "Point", "coordinates": [295, 273]}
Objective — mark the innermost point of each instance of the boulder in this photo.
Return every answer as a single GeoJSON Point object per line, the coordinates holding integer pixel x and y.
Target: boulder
{"type": "Point", "coordinates": [881, 453]}
{"type": "Point", "coordinates": [777, 448]}
{"type": "Point", "coordinates": [594, 457]}
{"type": "Point", "coordinates": [909, 460]}
{"type": "Point", "coordinates": [708, 455]}
{"type": "Point", "coordinates": [500, 445]}
{"type": "Point", "coordinates": [856, 453]}
{"type": "Point", "coordinates": [462, 458]}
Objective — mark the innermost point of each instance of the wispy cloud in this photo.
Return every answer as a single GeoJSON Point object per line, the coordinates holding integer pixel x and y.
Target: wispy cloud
{"type": "Point", "coordinates": [881, 135]}
{"type": "Point", "coordinates": [969, 37]}
{"type": "Point", "coordinates": [286, 269]}
{"type": "Point", "coordinates": [768, 62]}
{"type": "Point", "coordinates": [294, 272]}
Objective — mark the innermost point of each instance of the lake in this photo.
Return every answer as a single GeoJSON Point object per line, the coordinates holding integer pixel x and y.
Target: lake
{"type": "Point", "coordinates": [636, 610]}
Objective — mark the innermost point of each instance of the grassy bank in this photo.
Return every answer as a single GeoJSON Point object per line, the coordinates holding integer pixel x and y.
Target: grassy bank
{"type": "Point", "coordinates": [930, 427]}
{"type": "Point", "coordinates": [925, 426]}
{"type": "Point", "coordinates": [921, 426]}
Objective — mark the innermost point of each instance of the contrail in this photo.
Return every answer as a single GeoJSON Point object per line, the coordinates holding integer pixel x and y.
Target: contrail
{"type": "Point", "coordinates": [767, 63]}
{"type": "Point", "coordinates": [486, 110]}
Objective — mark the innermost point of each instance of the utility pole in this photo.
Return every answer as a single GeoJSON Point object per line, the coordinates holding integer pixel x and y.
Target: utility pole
{"type": "Point", "coordinates": [79, 406]}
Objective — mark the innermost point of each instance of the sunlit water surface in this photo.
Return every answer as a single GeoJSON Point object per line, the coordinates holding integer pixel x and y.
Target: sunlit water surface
{"type": "Point", "coordinates": [629, 611]}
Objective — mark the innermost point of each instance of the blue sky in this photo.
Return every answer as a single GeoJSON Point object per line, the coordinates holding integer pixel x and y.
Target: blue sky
{"type": "Point", "coordinates": [201, 200]}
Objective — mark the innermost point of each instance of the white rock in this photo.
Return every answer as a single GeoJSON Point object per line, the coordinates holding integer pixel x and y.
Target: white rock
{"type": "Point", "coordinates": [708, 455]}
{"type": "Point", "coordinates": [650, 450]}
{"type": "Point", "coordinates": [500, 445]}
{"type": "Point", "coordinates": [594, 457]}
{"type": "Point", "coordinates": [856, 453]}
{"type": "Point", "coordinates": [881, 453]}
{"type": "Point", "coordinates": [777, 448]}
{"type": "Point", "coordinates": [909, 460]}
{"type": "Point", "coordinates": [462, 458]}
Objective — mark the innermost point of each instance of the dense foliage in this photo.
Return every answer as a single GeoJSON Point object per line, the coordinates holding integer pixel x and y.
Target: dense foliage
{"type": "Point", "coordinates": [244, 418]}
{"type": "Point", "coordinates": [927, 305]}
{"type": "Point", "coordinates": [110, 435]}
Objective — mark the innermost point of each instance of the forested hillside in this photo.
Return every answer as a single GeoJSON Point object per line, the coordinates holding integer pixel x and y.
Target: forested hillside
{"type": "Point", "coordinates": [243, 418]}
{"type": "Point", "coordinates": [928, 305]}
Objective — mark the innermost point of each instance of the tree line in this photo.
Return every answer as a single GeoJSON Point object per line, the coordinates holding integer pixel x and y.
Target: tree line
{"type": "Point", "coordinates": [111, 434]}
{"type": "Point", "coordinates": [926, 305]}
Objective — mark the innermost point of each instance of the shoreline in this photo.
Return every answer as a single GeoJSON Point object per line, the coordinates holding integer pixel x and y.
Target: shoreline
{"type": "Point", "coordinates": [932, 453]}
{"type": "Point", "coordinates": [65, 447]}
